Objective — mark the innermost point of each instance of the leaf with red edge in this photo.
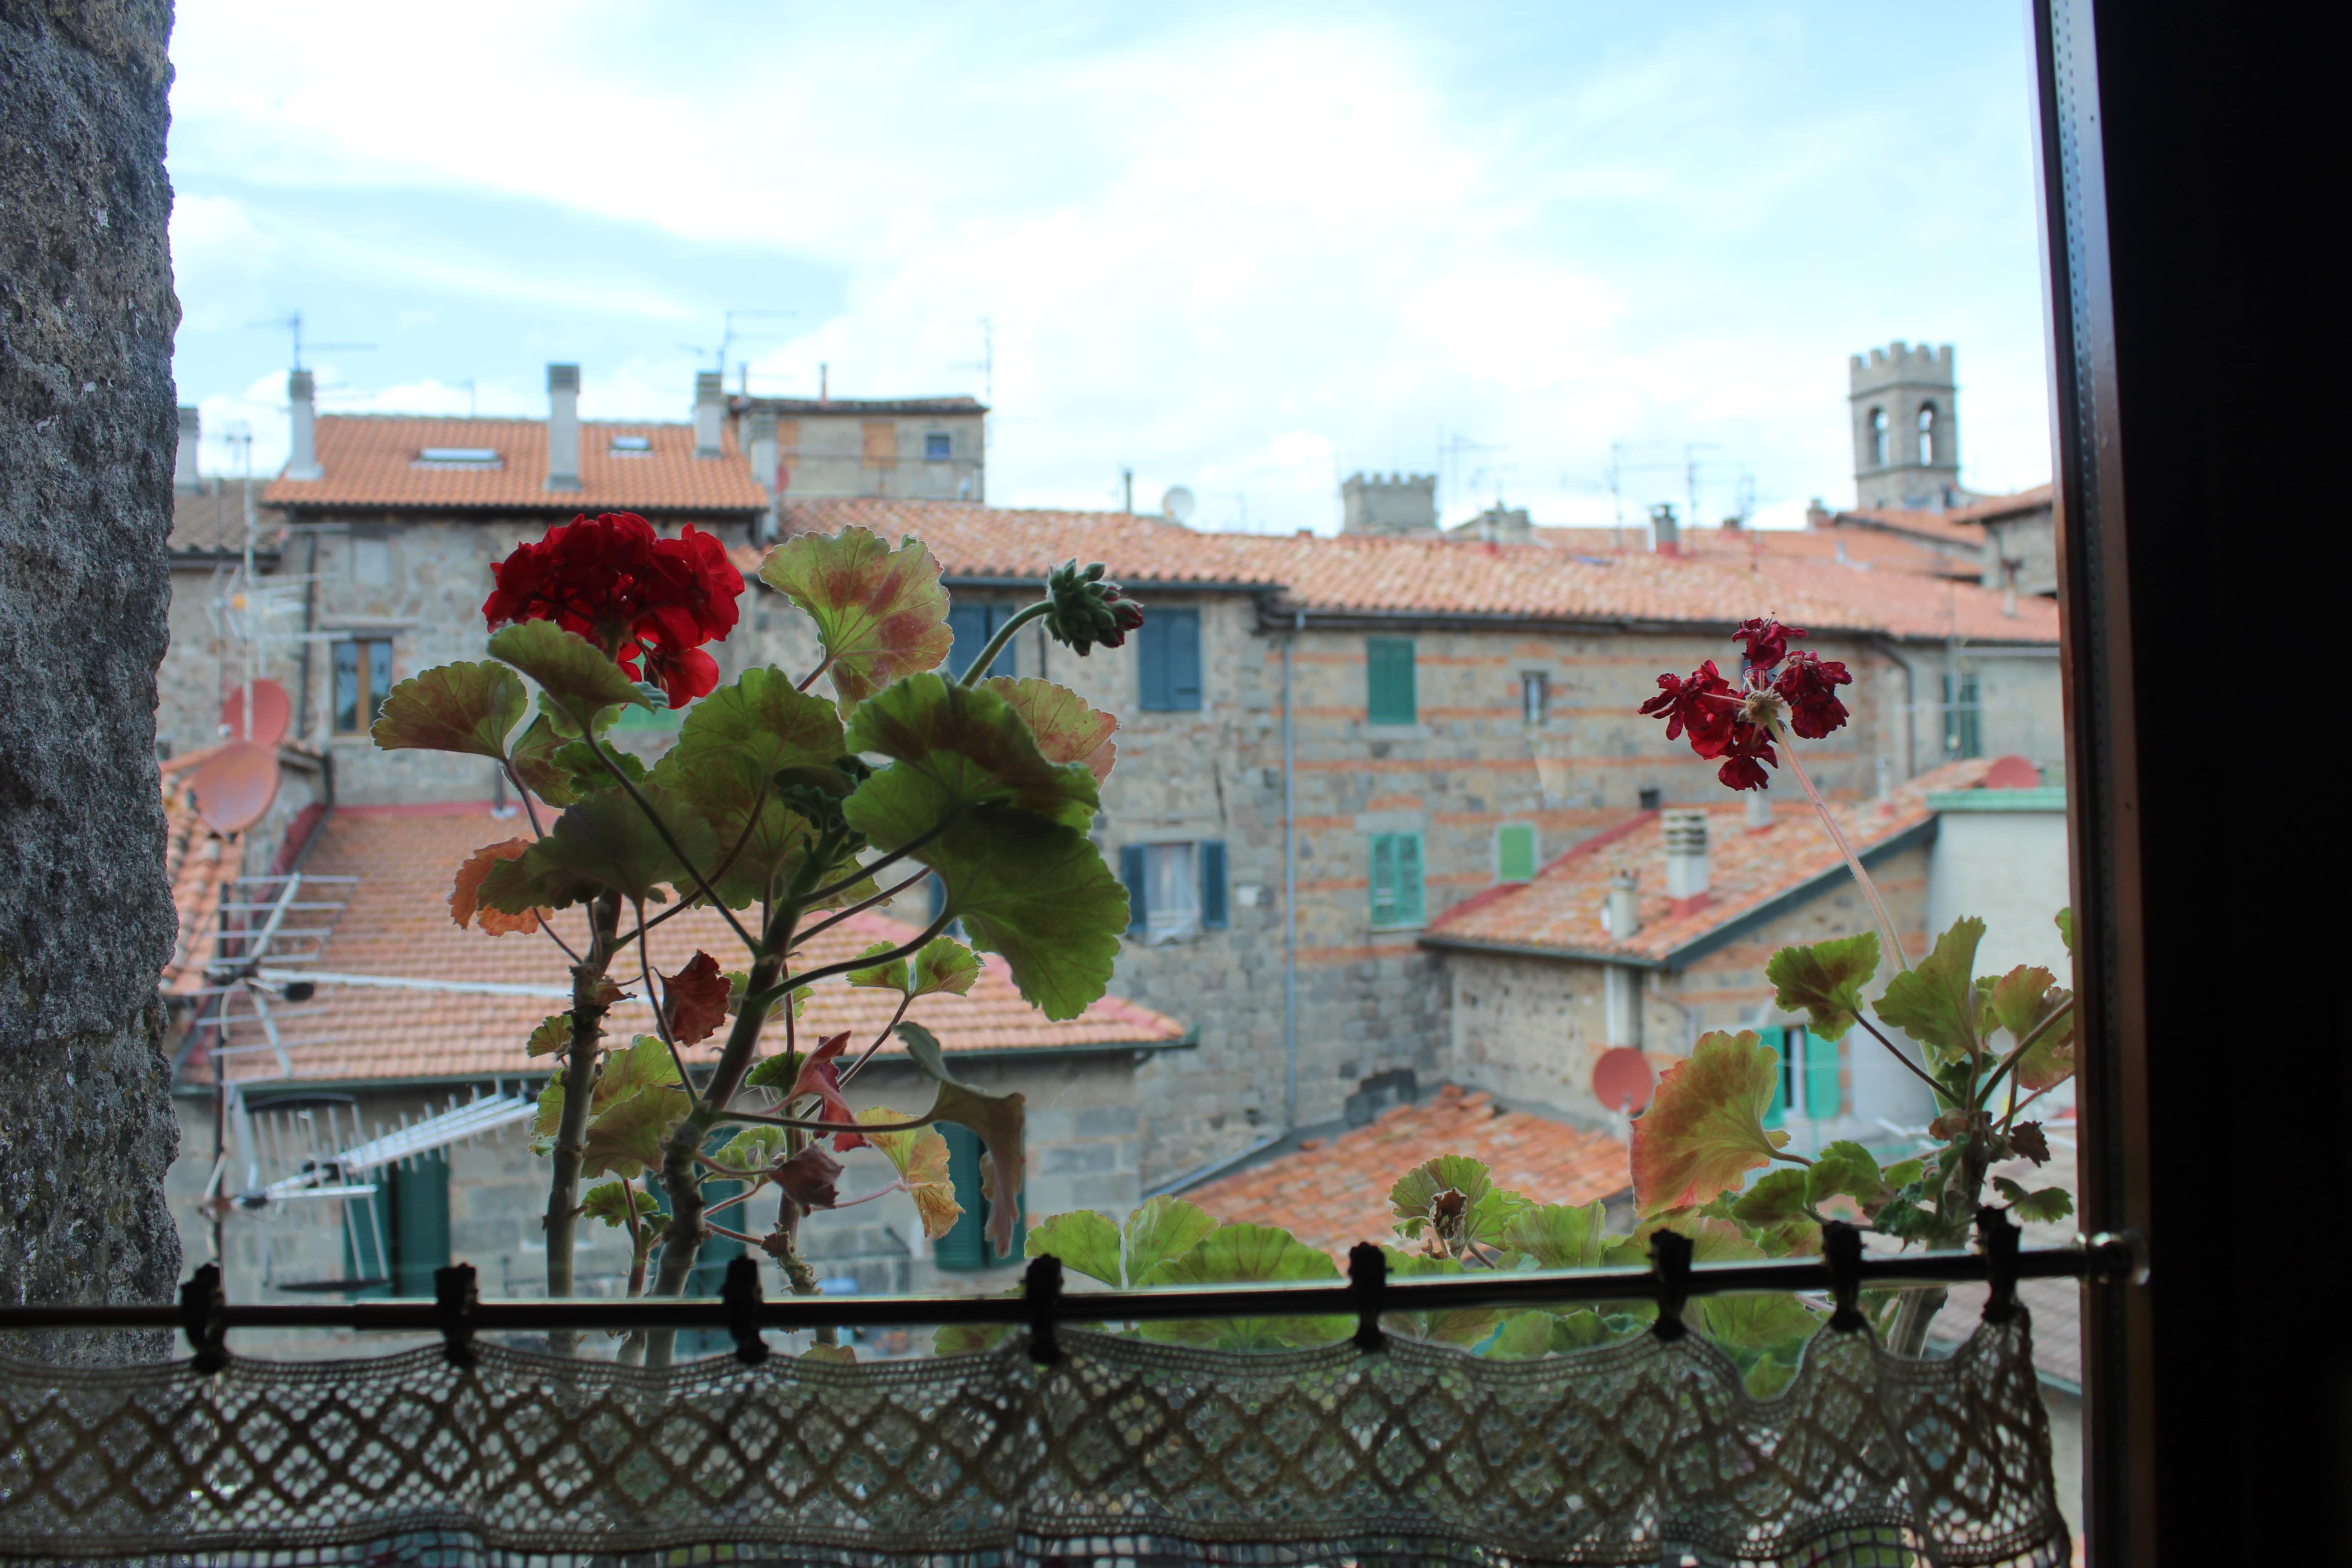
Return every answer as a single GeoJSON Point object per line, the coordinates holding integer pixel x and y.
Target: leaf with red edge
{"type": "Point", "coordinates": [920, 1158]}
{"type": "Point", "coordinates": [808, 1178]}
{"type": "Point", "coordinates": [885, 975]}
{"type": "Point", "coordinates": [955, 746]}
{"type": "Point", "coordinates": [944, 964]}
{"type": "Point", "coordinates": [465, 894]}
{"type": "Point", "coordinates": [881, 612]}
{"type": "Point", "coordinates": [1705, 1127]}
{"type": "Point", "coordinates": [694, 1000]}
{"type": "Point", "coordinates": [603, 841]}
{"type": "Point", "coordinates": [819, 1077]}
{"type": "Point", "coordinates": [470, 709]}
{"type": "Point", "coordinates": [551, 1037]}
{"type": "Point", "coordinates": [724, 764]}
{"type": "Point", "coordinates": [1067, 727]}
{"type": "Point", "coordinates": [2021, 1000]}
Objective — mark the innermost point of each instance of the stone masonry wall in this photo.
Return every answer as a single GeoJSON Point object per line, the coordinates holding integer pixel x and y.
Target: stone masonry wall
{"type": "Point", "coordinates": [86, 439]}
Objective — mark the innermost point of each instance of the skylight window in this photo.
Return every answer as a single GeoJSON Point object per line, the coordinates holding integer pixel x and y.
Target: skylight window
{"type": "Point", "coordinates": [459, 457]}
{"type": "Point", "coordinates": [632, 447]}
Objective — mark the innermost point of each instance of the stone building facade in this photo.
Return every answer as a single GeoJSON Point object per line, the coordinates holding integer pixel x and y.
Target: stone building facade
{"type": "Point", "coordinates": [813, 448]}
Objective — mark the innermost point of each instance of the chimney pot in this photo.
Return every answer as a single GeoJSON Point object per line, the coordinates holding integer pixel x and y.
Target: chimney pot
{"type": "Point", "coordinates": [1760, 810]}
{"type": "Point", "coordinates": [1687, 868]}
{"type": "Point", "coordinates": [1665, 530]}
{"type": "Point", "coordinates": [563, 426]}
{"type": "Point", "coordinates": [302, 459]}
{"type": "Point", "coordinates": [1621, 914]}
{"type": "Point", "coordinates": [184, 468]}
{"type": "Point", "coordinates": [709, 412]}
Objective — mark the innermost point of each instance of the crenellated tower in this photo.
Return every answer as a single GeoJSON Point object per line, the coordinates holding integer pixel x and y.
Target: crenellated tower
{"type": "Point", "coordinates": [1906, 428]}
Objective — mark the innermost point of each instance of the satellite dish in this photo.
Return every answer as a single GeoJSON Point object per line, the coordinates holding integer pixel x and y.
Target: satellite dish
{"type": "Point", "coordinates": [1177, 504]}
{"type": "Point", "coordinates": [1621, 1080]}
{"type": "Point", "coordinates": [272, 711]}
{"type": "Point", "coordinates": [2013, 772]}
{"type": "Point", "coordinates": [235, 785]}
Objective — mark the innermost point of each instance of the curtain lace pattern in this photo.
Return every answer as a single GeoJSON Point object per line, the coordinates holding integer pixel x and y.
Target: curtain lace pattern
{"type": "Point", "coordinates": [1122, 1452]}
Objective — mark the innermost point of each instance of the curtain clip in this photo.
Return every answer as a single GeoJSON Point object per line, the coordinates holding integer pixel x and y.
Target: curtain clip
{"type": "Point", "coordinates": [1042, 1287]}
{"type": "Point", "coordinates": [1669, 1258]}
{"type": "Point", "coordinates": [1842, 1250]}
{"type": "Point", "coordinates": [740, 1291]}
{"type": "Point", "coordinates": [1997, 1239]}
{"type": "Point", "coordinates": [203, 1316]}
{"type": "Point", "coordinates": [1368, 1281]}
{"type": "Point", "coordinates": [454, 1298]}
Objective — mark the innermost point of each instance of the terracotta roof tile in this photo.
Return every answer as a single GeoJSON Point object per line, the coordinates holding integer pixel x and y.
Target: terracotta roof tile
{"type": "Point", "coordinates": [372, 460]}
{"type": "Point", "coordinates": [1438, 576]}
{"type": "Point", "coordinates": [1739, 547]}
{"type": "Point", "coordinates": [2025, 500]}
{"type": "Point", "coordinates": [1560, 911]}
{"type": "Point", "coordinates": [201, 865]}
{"type": "Point", "coordinates": [1332, 1193]}
{"type": "Point", "coordinates": [1947, 527]}
{"type": "Point", "coordinates": [396, 923]}
{"type": "Point", "coordinates": [211, 520]}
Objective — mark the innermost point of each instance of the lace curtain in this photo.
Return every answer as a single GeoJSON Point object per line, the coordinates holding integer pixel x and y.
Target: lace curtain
{"type": "Point", "coordinates": [1123, 1452]}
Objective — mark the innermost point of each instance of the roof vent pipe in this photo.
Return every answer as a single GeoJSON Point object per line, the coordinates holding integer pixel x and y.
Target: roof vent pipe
{"type": "Point", "coordinates": [1760, 810]}
{"type": "Point", "coordinates": [302, 461]}
{"type": "Point", "coordinates": [1621, 913]}
{"type": "Point", "coordinates": [1686, 878]}
{"type": "Point", "coordinates": [184, 468]}
{"type": "Point", "coordinates": [1665, 533]}
{"type": "Point", "coordinates": [709, 410]}
{"type": "Point", "coordinates": [563, 426]}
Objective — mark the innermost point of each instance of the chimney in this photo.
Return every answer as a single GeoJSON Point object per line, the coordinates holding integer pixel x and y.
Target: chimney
{"type": "Point", "coordinates": [1621, 914]}
{"type": "Point", "coordinates": [1760, 810]}
{"type": "Point", "coordinates": [1664, 532]}
{"type": "Point", "coordinates": [563, 426]}
{"type": "Point", "coordinates": [302, 462]}
{"type": "Point", "coordinates": [1686, 857]}
{"type": "Point", "coordinates": [1817, 515]}
{"type": "Point", "coordinates": [184, 468]}
{"type": "Point", "coordinates": [709, 412]}
{"type": "Point", "coordinates": [759, 436]}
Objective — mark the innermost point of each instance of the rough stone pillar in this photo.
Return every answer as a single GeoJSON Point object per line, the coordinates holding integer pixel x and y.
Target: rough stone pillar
{"type": "Point", "coordinates": [86, 440]}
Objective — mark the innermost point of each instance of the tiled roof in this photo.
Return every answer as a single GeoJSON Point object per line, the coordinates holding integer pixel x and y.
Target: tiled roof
{"type": "Point", "coordinates": [2034, 499]}
{"type": "Point", "coordinates": [372, 460]}
{"type": "Point", "coordinates": [1334, 1193]}
{"type": "Point", "coordinates": [801, 407]}
{"type": "Point", "coordinates": [199, 865]}
{"type": "Point", "coordinates": [1435, 576]}
{"type": "Point", "coordinates": [395, 923]}
{"type": "Point", "coordinates": [1861, 547]}
{"type": "Point", "coordinates": [1948, 529]}
{"type": "Point", "coordinates": [1560, 911]}
{"type": "Point", "coordinates": [211, 520]}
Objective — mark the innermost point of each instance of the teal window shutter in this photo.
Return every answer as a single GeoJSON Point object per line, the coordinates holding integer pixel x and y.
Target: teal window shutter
{"type": "Point", "coordinates": [1824, 1093]}
{"type": "Point", "coordinates": [1784, 1077]}
{"type": "Point", "coordinates": [1139, 903]}
{"type": "Point", "coordinates": [1383, 879]}
{"type": "Point", "coordinates": [1408, 877]}
{"type": "Point", "coordinates": [1396, 878]}
{"type": "Point", "coordinates": [1515, 852]}
{"type": "Point", "coordinates": [965, 1246]}
{"type": "Point", "coordinates": [1390, 698]}
{"type": "Point", "coordinates": [971, 626]}
{"type": "Point", "coordinates": [420, 1214]}
{"type": "Point", "coordinates": [1167, 658]}
{"type": "Point", "coordinates": [367, 1237]}
{"type": "Point", "coordinates": [1211, 858]}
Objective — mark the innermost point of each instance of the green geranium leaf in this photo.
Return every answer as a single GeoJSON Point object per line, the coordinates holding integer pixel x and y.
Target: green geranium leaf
{"type": "Point", "coordinates": [552, 1036]}
{"type": "Point", "coordinates": [1903, 1173]}
{"type": "Point", "coordinates": [945, 964]}
{"type": "Point", "coordinates": [1162, 1229]}
{"type": "Point", "coordinates": [534, 762]}
{"type": "Point", "coordinates": [1558, 1235]}
{"type": "Point", "coordinates": [952, 747]}
{"type": "Point", "coordinates": [1935, 1003]}
{"type": "Point", "coordinates": [920, 1158]}
{"type": "Point", "coordinates": [572, 671]}
{"type": "Point", "coordinates": [1084, 1240]}
{"type": "Point", "coordinates": [1246, 1253]}
{"type": "Point", "coordinates": [1525, 1336]}
{"type": "Point", "coordinates": [1410, 1199]}
{"type": "Point", "coordinates": [1777, 1197]}
{"type": "Point", "coordinates": [625, 1138]}
{"type": "Point", "coordinates": [1845, 1167]}
{"type": "Point", "coordinates": [967, 1339]}
{"type": "Point", "coordinates": [2065, 920]}
{"type": "Point", "coordinates": [1588, 1329]}
{"type": "Point", "coordinates": [724, 763]}
{"type": "Point", "coordinates": [889, 976]}
{"type": "Point", "coordinates": [587, 771]}
{"type": "Point", "coordinates": [753, 1149]}
{"type": "Point", "coordinates": [1705, 1127]}
{"type": "Point", "coordinates": [881, 612]}
{"type": "Point", "coordinates": [549, 1123]}
{"type": "Point", "coordinates": [1758, 1322]}
{"type": "Point", "coordinates": [2020, 1000]}
{"type": "Point", "coordinates": [465, 708]}
{"type": "Point", "coordinates": [1452, 1326]}
{"type": "Point", "coordinates": [644, 1064]}
{"type": "Point", "coordinates": [2047, 1206]}
{"type": "Point", "coordinates": [1067, 727]}
{"type": "Point", "coordinates": [602, 840]}
{"type": "Point", "coordinates": [613, 1202]}
{"type": "Point", "coordinates": [1825, 980]}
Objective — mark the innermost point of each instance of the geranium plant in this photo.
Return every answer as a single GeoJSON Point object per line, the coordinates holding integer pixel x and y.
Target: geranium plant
{"type": "Point", "coordinates": [785, 812]}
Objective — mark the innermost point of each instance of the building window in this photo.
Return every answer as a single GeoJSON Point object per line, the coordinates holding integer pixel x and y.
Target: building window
{"type": "Point", "coordinates": [1878, 437]}
{"type": "Point", "coordinates": [1515, 852]}
{"type": "Point", "coordinates": [362, 680]}
{"type": "Point", "coordinates": [965, 1246]}
{"type": "Point", "coordinates": [1963, 716]}
{"type": "Point", "coordinates": [972, 625]}
{"type": "Point", "coordinates": [395, 1239]}
{"type": "Point", "coordinates": [1811, 1080]}
{"type": "Point", "coordinates": [1167, 661]}
{"type": "Point", "coordinates": [1389, 696]}
{"type": "Point", "coordinates": [1173, 889]}
{"type": "Point", "coordinates": [1926, 433]}
{"type": "Point", "coordinates": [1396, 879]}
{"type": "Point", "coordinates": [937, 445]}
{"type": "Point", "coordinates": [1535, 696]}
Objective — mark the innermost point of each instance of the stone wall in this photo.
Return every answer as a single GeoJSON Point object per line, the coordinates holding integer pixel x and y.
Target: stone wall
{"type": "Point", "coordinates": [86, 440]}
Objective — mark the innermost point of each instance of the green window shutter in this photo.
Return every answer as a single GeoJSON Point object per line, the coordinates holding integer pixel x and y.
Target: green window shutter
{"type": "Point", "coordinates": [1212, 856]}
{"type": "Point", "coordinates": [420, 1213]}
{"type": "Point", "coordinates": [1168, 660]}
{"type": "Point", "coordinates": [1390, 698]}
{"type": "Point", "coordinates": [1383, 879]}
{"type": "Point", "coordinates": [1971, 718]}
{"type": "Point", "coordinates": [965, 1246]}
{"type": "Point", "coordinates": [1515, 852]}
{"type": "Point", "coordinates": [717, 1251]}
{"type": "Point", "coordinates": [1784, 1077]}
{"type": "Point", "coordinates": [971, 626]}
{"type": "Point", "coordinates": [1408, 879]}
{"type": "Point", "coordinates": [1823, 1092]}
{"type": "Point", "coordinates": [1139, 903]}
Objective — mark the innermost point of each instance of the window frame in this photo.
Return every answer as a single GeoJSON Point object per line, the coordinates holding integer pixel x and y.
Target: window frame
{"type": "Point", "coordinates": [1158, 686]}
{"type": "Point", "coordinates": [367, 713]}
{"type": "Point", "coordinates": [1383, 706]}
{"type": "Point", "coordinates": [1399, 848]}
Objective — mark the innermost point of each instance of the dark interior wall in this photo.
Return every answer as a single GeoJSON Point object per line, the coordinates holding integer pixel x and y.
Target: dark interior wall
{"type": "Point", "coordinates": [86, 433]}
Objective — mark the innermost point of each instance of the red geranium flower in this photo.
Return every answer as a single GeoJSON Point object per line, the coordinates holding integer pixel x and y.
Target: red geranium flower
{"type": "Point", "coordinates": [1750, 747]}
{"type": "Point", "coordinates": [1808, 686]}
{"type": "Point", "coordinates": [1704, 704]}
{"type": "Point", "coordinates": [615, 581]}
{"type": "Point", "coordinates": [1765, 639]}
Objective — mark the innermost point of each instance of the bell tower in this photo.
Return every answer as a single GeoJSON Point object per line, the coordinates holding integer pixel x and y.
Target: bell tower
{"type": "Point", "coordinates": [1906, 428]}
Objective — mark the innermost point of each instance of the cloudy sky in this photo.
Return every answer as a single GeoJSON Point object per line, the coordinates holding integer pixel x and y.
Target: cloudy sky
{"type": "Point", "coordinates": [1244, 249]}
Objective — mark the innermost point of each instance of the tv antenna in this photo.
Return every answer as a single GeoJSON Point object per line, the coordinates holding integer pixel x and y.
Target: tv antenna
{"type": "Point", "coordinates": [291, 324]}
{"type": "Point", "coordinates": [985, 363]}
{"type": "Point", "coordinates": [728, 336]}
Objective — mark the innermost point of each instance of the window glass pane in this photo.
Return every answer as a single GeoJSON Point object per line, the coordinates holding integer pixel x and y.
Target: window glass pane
{"type": "Point", "coordinates": [347, 687]}
{"type": "Point", "coordinates": [379, 678]}
{"type": "Point", "coordinates": [1171, 895]}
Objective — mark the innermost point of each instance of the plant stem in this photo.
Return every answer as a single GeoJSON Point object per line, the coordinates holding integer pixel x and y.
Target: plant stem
{"type": "Point", "coordinates": [833, 890]}
{"type": "Point", "coordinates": [824, 665]}
{"type": "Point", "coordinates": [1920, 1304]}
{"type": "Point", "coordinates": [1003, 634]}
{"type": "Point", "coordinates": [579, 1090]}
{"type": "Point", "coordinates": [529, 810]}
{"type": "Point", "coordinates": [883, 897]}
{"type": "Point", "coordinates": [1852, 862]}
{"type": "Point", "coordinates": [1896, 1052]}
{"type": "Point", "coordinates": [660, 1000]}
{"type": "Point", "coordinates": [810, 977]}
{"type": "Point", "coordinates": [2022, 1047]}
{"type": "Point", "coordinates": [851, 1071]}
{"type": "Point", "coordinates": [2021, 1104]}
{"type": "Point", "coordinates": [661, 829]}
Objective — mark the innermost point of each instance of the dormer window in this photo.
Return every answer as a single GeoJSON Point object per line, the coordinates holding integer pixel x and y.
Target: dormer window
{"type": "Point", "coordinates": [631, 447]}
{"type": "Point", "coordinates": [459, 457]}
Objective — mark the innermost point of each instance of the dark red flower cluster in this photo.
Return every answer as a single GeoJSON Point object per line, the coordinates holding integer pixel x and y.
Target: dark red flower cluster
{"type": "Point", "coordinates": [1737, 722]}
{"type": "Point", "coordinates": [642, 598]}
